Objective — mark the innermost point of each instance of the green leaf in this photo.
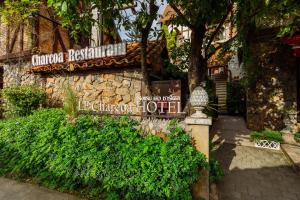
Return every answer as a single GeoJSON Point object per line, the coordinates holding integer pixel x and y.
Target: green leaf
{"type": "Point", "coordinates": [64, 6]}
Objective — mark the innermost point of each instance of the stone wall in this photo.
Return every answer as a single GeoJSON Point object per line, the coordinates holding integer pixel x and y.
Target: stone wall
{"type": "Point", "coordinates": [108, 87]}
{"type": "Point", "coordinates": [17, 73]}
{"type": "Point", "coordinates": [113, 87]}
{"type": "Point", "coordinates": [272, 101]}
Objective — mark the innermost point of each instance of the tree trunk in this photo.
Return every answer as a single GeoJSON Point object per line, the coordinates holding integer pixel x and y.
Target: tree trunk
{"type": "Point", "coordinates": [145, 75]}
{"type": "Point", "coordinates": [198, 68]}
{"type": "Point", "coordinates": [146, 84]}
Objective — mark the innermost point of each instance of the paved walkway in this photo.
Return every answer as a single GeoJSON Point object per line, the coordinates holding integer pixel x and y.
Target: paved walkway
{"type": "Point", "coordinates": [251, 173]}
{"type": "Point", "coordinates": [293, 153]}
{"type": "Point", "coordinates": [13, 190]}
{"type": "Point", "coordinates": [231, 130]}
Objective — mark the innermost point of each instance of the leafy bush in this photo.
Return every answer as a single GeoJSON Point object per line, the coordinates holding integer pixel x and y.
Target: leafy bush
{"type": "Point", "coordinates": [216, 172]}
{"type": "Point", "coordinates": [22, 100]}
{"type": "Point", "coordinates": [212, 109]}
{"type": "Point", "coordinates": [235, 98]}
{"type": "Point", "coordinates": [297, 137]}
{"type": "Point", "coordinates": [15, 12]}
{"type": "Point", "coordinates": [267, 134]}
{"type": "Point", "coordinates": [178, 52]}
{"type": "Point", "coordinates": [97, 155]}
{"type": "Point", "coordinates": [70, 103]}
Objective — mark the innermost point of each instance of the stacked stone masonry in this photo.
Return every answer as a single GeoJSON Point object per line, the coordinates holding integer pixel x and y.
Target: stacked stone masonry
{"type": "Point", "coordinates": [17, 73]}
{"type": "Point", "coordinates": [108, 87]}
{"type": "Point", "coordinates": [105, 86]}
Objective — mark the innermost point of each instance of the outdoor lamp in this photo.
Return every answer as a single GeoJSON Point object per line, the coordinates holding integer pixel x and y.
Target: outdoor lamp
{"type": "Point", "coordinates": [199, 100]}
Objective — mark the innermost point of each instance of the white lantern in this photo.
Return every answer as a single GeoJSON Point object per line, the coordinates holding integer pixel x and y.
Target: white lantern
{"type": "Point", "coordinates": [199, 100]}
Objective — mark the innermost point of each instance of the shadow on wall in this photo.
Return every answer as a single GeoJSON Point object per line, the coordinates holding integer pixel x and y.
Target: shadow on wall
{"type": "Point", "coordinates": [274, 95]}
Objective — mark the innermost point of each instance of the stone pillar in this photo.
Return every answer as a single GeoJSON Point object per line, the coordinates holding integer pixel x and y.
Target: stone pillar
{"type": "Point", "coordinates": [200, 133]}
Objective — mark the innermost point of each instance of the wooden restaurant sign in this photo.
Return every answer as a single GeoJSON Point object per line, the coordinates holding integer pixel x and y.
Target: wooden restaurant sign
{"type": "Point", "coordinates": [73, 55]}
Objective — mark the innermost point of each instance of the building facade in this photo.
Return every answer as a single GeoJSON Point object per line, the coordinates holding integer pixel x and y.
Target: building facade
{"type": "Point", "coordinates": [273, 101]}
{"type": "Point", "coordinates": [26, 58]}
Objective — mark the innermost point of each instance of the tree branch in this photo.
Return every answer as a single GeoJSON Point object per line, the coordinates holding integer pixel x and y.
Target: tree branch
{"type": "Point", "coordinates": [242, 25]}
{"type": "Point", "coordinates": [181, 15]}
{"type": "Point", "coordinates": [153, 8]}
{"type": "Point", "coordinates": [223, 20]}
{"type": "Point", "coordinates": [208, 56]}
{"type": "Point", "coordinates": [14, 38]}
{"type": "Point", "coordinates": [152, 12]}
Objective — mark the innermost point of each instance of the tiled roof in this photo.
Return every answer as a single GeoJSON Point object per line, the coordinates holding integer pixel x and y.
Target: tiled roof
{"type": "Point", "coordinates": [132, 58]}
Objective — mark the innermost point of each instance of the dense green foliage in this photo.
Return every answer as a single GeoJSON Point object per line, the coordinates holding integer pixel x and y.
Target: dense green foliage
{"type": "Point", "coordinates": [269, 14]}
{"type": "Point", "coordinates": [177, 64]}
{"type": "Point", "coordinates": [267, 134]}
{"type": "Point", "coordinates": [70, 103]}
{"type": "Point", "coordinates": [251, 17]}
{"type": "Point", "coordinates": [77, 15]}
{"type": "Point", "coordinates": [212, 108]}
{"type": "Point", "coordinates": [235, 101]}
{"type": "Point", "coordinates": [297, 137]}
{"type": "Point", "coordinates": [216, 172]}
{"type": "Point", "coordinates": [205, 19]}
{"type": "Point", "coordinates": [179, 52]}
{"type": "Point", "coordinates": [18, 11]}
{"type": "Point", "coordinates": [99, 155]}
{"type": "Point", "coordinates": [170, 36]}
{"type": "Point", "coordinates": [22, 100]}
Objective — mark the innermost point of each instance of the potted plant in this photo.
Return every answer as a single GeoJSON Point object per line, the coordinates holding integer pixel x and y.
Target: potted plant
{"type": "Point", "coordinates": [267, 139]}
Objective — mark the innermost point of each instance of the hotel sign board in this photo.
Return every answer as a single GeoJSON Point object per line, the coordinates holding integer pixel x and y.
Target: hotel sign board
{"type": "Point", "coordinates": [73, 55]}
{"type": "Point", "coordinates": [166, 105]}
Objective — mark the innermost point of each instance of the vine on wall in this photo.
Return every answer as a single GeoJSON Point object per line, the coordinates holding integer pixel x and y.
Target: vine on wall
{"type": "Point", "coordinates": [16, 12]}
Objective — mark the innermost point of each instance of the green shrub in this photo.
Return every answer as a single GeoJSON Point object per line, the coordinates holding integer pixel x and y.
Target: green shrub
{"type": "Point", "coordinates": [235, 98]}
{"type": "Point", "coordinates": [22, 100]}
{"type": "Point", "coordinates": [216, 172]}
{"type": "Point", "coordinates": [212, 109]}
{"type": "Point", "coordinates": [297, 137]}
{"type": "Point", "coordinates": [97, 155]}
{"type": "Point", "coordinates": [70, 103]}
{"type": "Point", "coordinates": [267, 134]}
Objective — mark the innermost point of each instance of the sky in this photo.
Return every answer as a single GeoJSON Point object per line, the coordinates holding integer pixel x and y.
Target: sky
{"type": "Point", "coordinates": [162, 6]}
